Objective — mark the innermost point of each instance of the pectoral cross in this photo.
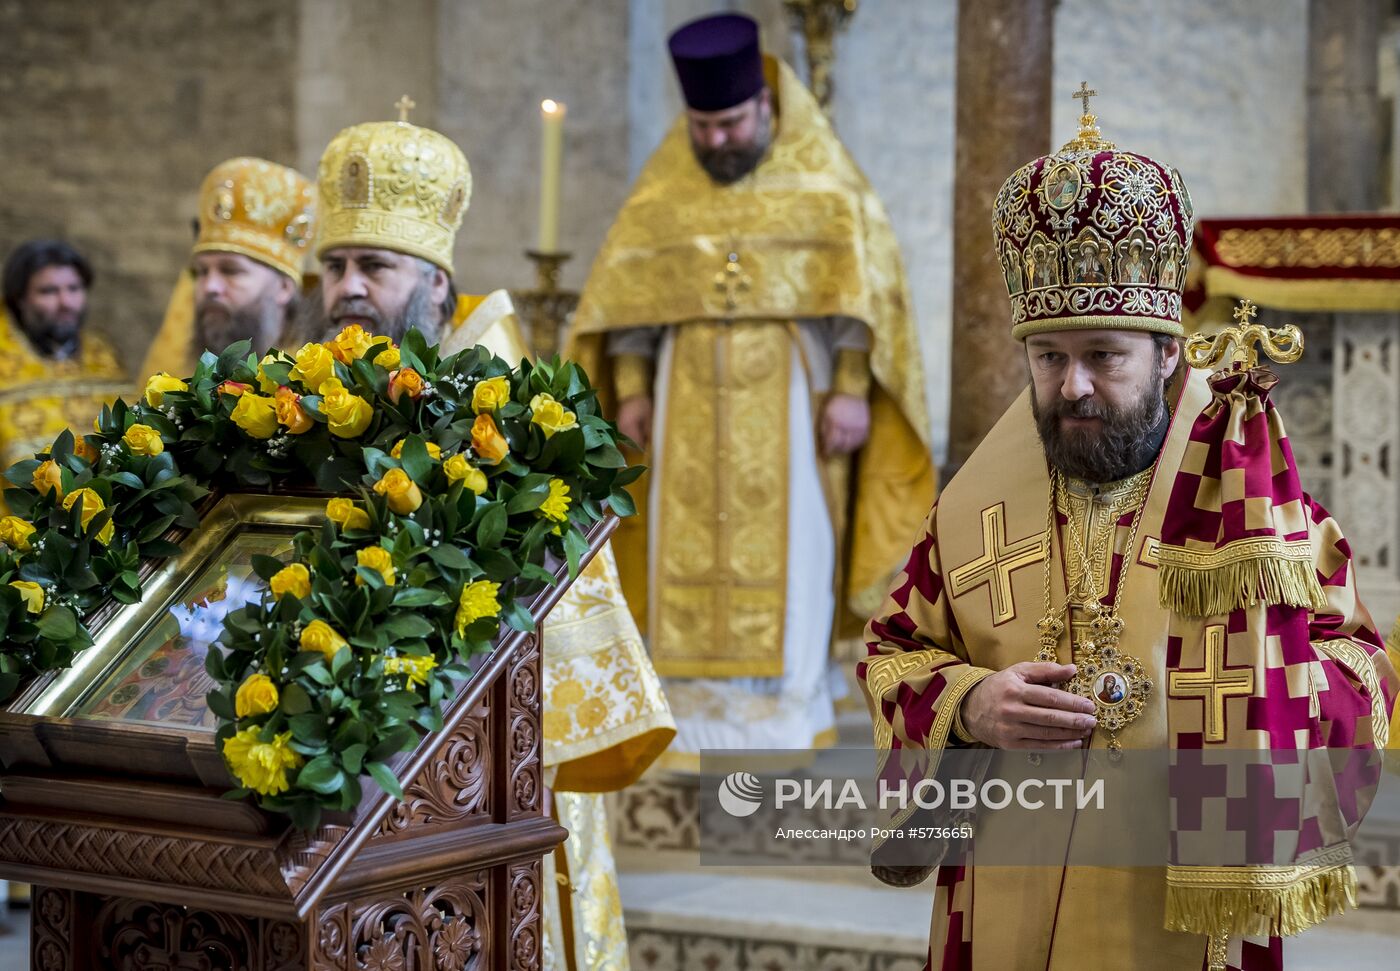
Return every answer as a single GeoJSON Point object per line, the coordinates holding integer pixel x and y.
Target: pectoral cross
{"type": "Point", "coordinates": [405, 105]}
{"type": "Point", "coordinates": [1213, 683]}
{"type": "Point", "coordinates": [998, 561]}
{"type": "Point", "coordinates": [1284, 345]}
{"type": "Point", "coordinates": [1084, 94]}
{"type": "Point", "coordinates": [732, 281]}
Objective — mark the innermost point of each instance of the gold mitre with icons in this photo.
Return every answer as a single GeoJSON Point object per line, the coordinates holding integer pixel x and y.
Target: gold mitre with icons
{"type": "Point", "coordinates": [258, 209]}
{"type": "Point", "coordinates": [393, 185]}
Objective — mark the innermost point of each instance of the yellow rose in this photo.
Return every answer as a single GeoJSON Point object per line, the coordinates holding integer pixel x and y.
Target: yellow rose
{"type": "Point", "coordinates": [491, 394]}
{"type": "Point", "coordinates": [402, 492]}
{"type": "Point", "coordinates": [314, 365]}
{"type": "Point", "coordinates": [321, 636]}
{"type": "Point", "coordinates": [434, 450]}
{"type": "Point", "coordinates": [294, 578]}
{"type": "Point", "coordinates": [31, 593]}
{"type": "Point", "coordinates": [388, 359]}
{"type": "Point", "coordinates": [347, 415]}
{"type": "Point", "coordinates": [256, 414]}
{"type": "Point", "coordinates": [265, 384]}
{"type": "Point", "coordinates": [458, 469]}
{"type": "Point", "coordinates": [261, 766]}
{"type": "Point", "coordinates": [346, 514]}
{"type": "Point", "coordinates": [556, 507]}
{"type": "Point", "coordinates": [15, 532]}
{"type": "Point", "coordinates": [158, 384]}
{"type": "Point", "coordinates": [143, 440]}
{"type": "Point", "coordinates": [416, 667]}
{"type": "Point", "coordinates": [376, 558]}
{"type": "Point", "coordinates": [350, 344]}
{"type": "Point", "coordinates": [49, 478]}
{"type": "Point", "coordinates": [406, 382]}
{"type": "Point", "coordinates": [478, 600]}
{"type": "Point", "coordinates": [91, 505]}
{"type": "Point", "coordinates": [487, 440]}
{"type": "Point", "coordinates": [290, 414]}
{"type": "Point", "coordinates": [550, 415]}
{"type": "Point", "coordinates": [257, 695]}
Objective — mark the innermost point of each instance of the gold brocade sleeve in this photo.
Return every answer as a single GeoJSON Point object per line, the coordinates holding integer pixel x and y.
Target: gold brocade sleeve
{"type": "Point", "coordinates": [605, 716]}
{"type": "Point", "coordinates": [851, 374]}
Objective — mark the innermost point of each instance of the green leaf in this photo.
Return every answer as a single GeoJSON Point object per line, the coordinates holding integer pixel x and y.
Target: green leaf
{"type": "Point", "coordinates": [353, 757]}
{"type": "Point", "coordinates": [492, 527]}
{"type": "Point", "coordinates": [606, 457]}
{"type": "Point", "coordinates": [621, 502]}
{"type": "Point", "coordinates": [417, 597]}
{"type": "Point", "coordinates": [575, 547]}
{"type": "Point", "coordinates": [518, 617]}
{"type": "Point", "coordinates": [221, 705]}
{"type": "Point", "coordinates": [321, 775]}
{"type": "Point", "coordinates": [450, 558]}
{"type": "Point", "coordinates": [58, 624]}
{"type": "Point", "coordinates": [295, 700]}
{"type": "Point", "coordinates": [416, 461]}
{"type": "Point", "coordinates": [406, 626]}
{"type": "Point", "coordinates": [381, 774]}
{"type": "Point", "coordinates": [309, 727]}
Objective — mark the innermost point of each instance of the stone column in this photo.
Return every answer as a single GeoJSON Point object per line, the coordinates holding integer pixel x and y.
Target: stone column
{"type": "Point", "coordinates": [1003, 121]}
{"type": "Point", "coordinates": [1344, 107]}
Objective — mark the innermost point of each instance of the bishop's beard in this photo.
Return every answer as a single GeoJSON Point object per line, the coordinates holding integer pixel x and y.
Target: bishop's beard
{"type": "Point", "coordinates": [1127, 441]}
{"type": "Point", "coordinates": [217, 326]}
{"type": "Point", "coordinates": [418, 311]}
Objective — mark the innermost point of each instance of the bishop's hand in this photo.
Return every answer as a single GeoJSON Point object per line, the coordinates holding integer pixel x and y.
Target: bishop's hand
{"type": "Point", "coordinates": [1018, 708]}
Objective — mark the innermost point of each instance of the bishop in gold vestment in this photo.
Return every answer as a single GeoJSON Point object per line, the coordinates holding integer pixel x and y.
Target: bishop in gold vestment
{"type": "Point", "coordinates": [1186, 597]}
{"type": "Point", "coordinates": [744, 302]}
{"type": "Point", "coordinates": [605, 717]}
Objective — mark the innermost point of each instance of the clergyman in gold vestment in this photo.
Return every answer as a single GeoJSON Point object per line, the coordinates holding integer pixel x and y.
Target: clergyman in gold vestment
{"type": "Point", "coordinates": [386, 253]}
{"type": "Point", "coordinates": [748, 311]}
{"type": "Point", "coordinates": [56, 372]}
{"type": "Point", "coordinates": [1073, 527]}
{"type": "Point", "coordinates": [256, 222]}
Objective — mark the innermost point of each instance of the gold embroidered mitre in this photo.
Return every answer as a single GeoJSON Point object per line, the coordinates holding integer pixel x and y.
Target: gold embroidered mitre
{"type": "Point", "coordinates": [392, 185]}
{"type": "Point", "coordinates": [259, 209]}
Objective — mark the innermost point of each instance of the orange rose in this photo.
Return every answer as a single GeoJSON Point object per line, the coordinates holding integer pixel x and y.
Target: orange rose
{"type": "Point", "coordinates": [490, 445]}
{"type": "Point", "coordinates": [290, 413]}
{"type": "Point", "coordinates": [350, 344]}
{"type": "Point", "coordinates": [49, 478]}
{"type": "Point", "coordinates": [406, 381]}
{"type": "Point", "coordinates": [235, 388]}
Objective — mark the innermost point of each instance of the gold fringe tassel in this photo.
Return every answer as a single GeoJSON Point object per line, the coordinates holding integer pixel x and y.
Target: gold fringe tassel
{"type": "Point", "coordinates": [1261, 911]}
{"type": "Point", "coordinates": [1205, 591]}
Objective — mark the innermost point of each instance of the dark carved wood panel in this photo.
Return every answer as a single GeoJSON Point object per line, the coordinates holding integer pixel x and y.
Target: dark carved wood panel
{"type": "Point", "coordinates": [452, 788]}
{"type": "Point", "coordinates": [139, 936]}
{"type": "Point", "coordinates": [444, 927]}
{"type": "Point", "coordinates": [523, 730]}
{"type": "Point", "coordinates": [181, 862]}
{"type": "Point", "coordinates": [51, 930]}
{"type": "Point", "coordinates": [525, 916]}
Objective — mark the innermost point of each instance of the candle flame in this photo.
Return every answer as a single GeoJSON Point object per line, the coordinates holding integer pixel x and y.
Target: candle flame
{"type": "Point", "coordinates": [549, 106]}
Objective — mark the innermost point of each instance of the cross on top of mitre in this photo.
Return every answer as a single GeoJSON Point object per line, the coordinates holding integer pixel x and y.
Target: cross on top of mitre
{"type": "Point", "coordinates": [1089, 139]}
{"type": "Point", "coordinates": [404, 106]}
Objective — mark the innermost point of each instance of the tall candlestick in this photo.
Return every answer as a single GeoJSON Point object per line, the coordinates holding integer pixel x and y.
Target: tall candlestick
{"type": "Point", "coordinates": [551, 164]}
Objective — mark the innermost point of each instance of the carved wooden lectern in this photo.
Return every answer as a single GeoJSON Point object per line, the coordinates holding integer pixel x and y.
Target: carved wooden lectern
{"type": "Point", "coordinates": [113, 806]}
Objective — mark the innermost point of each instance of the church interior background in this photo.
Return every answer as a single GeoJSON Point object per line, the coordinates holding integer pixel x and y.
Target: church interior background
{"type": "Point", "coordinates": [112, 113]}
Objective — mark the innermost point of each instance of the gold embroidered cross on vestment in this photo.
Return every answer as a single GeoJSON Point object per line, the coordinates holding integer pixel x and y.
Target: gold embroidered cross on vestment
{"type": "Point", "coordinates": [999, 559]}
{"type": "Point", "coordinates": [1213, 683]}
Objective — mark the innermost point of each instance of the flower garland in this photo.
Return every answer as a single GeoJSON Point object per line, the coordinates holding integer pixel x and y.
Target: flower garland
{"type": "Point", "coordinates": [465, 474]}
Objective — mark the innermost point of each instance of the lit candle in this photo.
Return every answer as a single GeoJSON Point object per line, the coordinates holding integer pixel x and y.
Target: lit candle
{"type": "Point", "coordinates": [551, 164]}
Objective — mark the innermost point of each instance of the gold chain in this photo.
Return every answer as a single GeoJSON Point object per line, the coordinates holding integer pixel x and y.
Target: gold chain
{"type": "Point", "coordinates": [1100, 651]}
